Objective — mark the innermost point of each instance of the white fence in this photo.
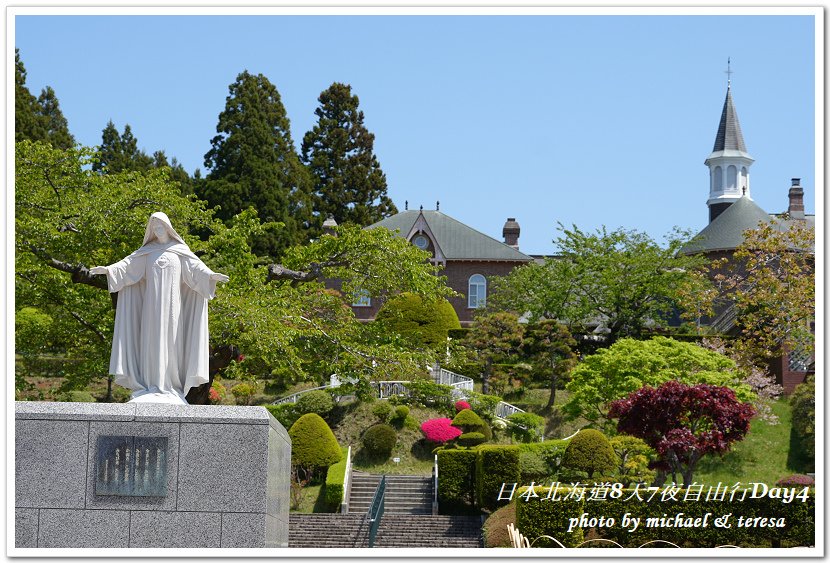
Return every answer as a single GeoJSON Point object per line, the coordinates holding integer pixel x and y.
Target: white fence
{"type": "Point", "coordinates": [385, 389]}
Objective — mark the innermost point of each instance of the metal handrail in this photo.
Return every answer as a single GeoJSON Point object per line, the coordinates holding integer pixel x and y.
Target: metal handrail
{"type": "Point", "coordinates": [375, 512]}
{"type": "Point", "coordinates": [435, 487]}
{"type": "Point", "coordinates": [347, 483]}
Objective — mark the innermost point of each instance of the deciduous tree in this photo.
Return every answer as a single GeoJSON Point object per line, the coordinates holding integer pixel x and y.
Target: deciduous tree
{"type": "Point", "coordinates": [627, 365]}
{"type": "Point", "coordinates": [771, 280]}
{"type": "Point", "coordinates": [683, 423]}
{"type": "Point", "coordinates": [621, 280]}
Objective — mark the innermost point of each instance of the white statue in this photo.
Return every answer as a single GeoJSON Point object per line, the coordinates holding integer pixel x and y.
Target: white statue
{"type": "Point", "coordinates": [160, 341]}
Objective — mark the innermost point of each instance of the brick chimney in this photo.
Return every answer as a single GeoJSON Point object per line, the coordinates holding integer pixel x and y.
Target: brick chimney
{"type": "Point", "coordinates": [796, 208]}
{"type": "Point", "coordinates": [510, 232]}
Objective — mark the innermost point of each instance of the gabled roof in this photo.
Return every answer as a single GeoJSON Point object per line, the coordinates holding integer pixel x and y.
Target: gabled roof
{"type": "Point", "coordinates": [729, 137]}
{"type": "Point", "coordinates": [726, 231]}
{"type": "Point", "coordinates": [456, 240]}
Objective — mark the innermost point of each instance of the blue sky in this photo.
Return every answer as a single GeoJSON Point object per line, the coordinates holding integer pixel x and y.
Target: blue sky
{"type": "Point", "coordinates": [586, 120]}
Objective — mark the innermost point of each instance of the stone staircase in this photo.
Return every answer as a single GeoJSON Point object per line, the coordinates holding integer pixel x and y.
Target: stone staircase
{"type": "Point", "coordinates": [405, 494]}
{"type": "Point", "coordinates": [407, 520]}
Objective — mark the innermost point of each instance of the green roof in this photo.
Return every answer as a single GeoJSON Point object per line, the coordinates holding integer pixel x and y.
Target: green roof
{"type": "Point", "coordinates": [456, 240]}
{"type": "Point", "coordinates": [726, 232]}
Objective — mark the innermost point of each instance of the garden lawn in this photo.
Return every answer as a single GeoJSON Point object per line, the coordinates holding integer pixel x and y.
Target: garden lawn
{"type": "Point", "coordinates": [761, 456]}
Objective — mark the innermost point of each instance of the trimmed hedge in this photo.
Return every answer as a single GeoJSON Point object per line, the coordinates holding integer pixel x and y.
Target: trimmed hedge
{"type": "Point", "coordinates": [471, 439]}
{"type": "Point", "coordinates": [335, 479]}
{"type": "Point", "coordinates": [538, 517]}
{"type": "Point", "coordinates": [317, 401]}
{"type": "Point", "coordinates": [456, 479]}
{"type": "Point", "coordinates": [285, 413]}
{"type": "Point", "coordinates": [495, 466]}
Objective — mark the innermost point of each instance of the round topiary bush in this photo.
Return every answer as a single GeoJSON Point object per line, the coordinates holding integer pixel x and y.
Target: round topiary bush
{"type": "Point", "coordinates": [317, 402]}
{"type": "Point", "coordinates": [313, 443]}
{"type": "Point", "coordinates": [401, 412]}
{"type": "Point", "coordinates": [591, 452]}
{"type": "Point", "coordinates": [424, 323]}
{"type": "Point", "coordinates": [471, 439]}
{"type": "Point", "coordinates": [382, 410]}
{"type": "Point", "coordinates": [379, 440]}
{"type": "Point", "coordinates": [440, 430]}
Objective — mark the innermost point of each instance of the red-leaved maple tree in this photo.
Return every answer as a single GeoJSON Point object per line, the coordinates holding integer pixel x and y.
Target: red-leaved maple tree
{"type": "Point", "coordinates": [683, 423]}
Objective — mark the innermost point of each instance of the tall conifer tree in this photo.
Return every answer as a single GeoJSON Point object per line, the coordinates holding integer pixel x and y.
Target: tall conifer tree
{"type": "Point", "coordinates": [253, 163]}
{"type": "Point", "coordinates": [27, 121]}
{"type": "Point", "coordinates": [119, 152]}
{"type": "Point", "coordinates": [57, 128]}
{"type": "Point", "coordinates": [349, 184]}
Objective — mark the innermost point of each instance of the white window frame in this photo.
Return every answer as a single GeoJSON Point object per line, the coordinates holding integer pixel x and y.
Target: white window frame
{"type": "Point", "coordinates": [479, 300]}
{"type": "Point", "coordinates": [362, 299]}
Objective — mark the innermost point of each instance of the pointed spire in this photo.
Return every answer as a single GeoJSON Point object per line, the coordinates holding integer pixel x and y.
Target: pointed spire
{"type": "Point", "coordinates": [729, 135]}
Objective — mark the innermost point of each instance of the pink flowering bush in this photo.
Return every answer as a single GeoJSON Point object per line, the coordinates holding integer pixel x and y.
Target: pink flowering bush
{"type": "Point", "coordinates": [461, 405]}
{"type": "Point", "coordinates": [440, 430]}
{"type": "Point", "coordinates": [796, 481]}
{"type": "Point", "coordinates": [213, 396]}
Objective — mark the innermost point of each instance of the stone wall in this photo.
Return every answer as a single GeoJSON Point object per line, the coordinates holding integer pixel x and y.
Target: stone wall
{"type": "Point", "coordinates": [224, 479]}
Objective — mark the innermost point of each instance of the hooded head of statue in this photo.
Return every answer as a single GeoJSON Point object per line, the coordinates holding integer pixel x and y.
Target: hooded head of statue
{"type": "Point", "coordinates": [160, 230]}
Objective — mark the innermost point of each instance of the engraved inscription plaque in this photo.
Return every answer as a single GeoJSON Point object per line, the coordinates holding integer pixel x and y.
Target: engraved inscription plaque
{"type": "Point", "coordinates": [134, 466]}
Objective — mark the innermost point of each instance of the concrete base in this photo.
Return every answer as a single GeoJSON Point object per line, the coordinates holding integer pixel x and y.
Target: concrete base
{"type": "Point", "coordinates": [227, 473]}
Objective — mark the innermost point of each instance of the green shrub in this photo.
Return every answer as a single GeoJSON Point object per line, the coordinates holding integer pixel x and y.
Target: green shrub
{"type": "Point", "coordinates": [471, 439]}
{"type": "Point", "coordinates": [590, 451]}
{"type": "Point", "coordinates": [495, 466]}
{"type": "Point", "coordinates": [76, 397]}
{"type": "Point", "coordinates": [634, 456]}
{"type": "Point", "coordinates": [379, 440]}
{"type": "Point", "coordinates": [424, 323]}
{"type": "Point", "coordinates": [285, 413]}
{"type": "Point", "coordinates": [313, 443]}
{"type": "Point", "coordinates": [456, 479]}
{"type": "Point", "coordinates": [537, 518]}
{"type": "Point", "coordinates": [526, 427]}
{"type": "Point", "coordinates": [243, 392]}
{"type": "Point", "coordinates": [469, 421]}
{"type": "Point", "coordinates": [495, 527]}
{"type": "Point", "coordinates": [401, 412]}
{"type": "Point", "coordinates": [430, 394]}
{"type": "Point", "coordinates": [318, 402]}
{"type": "Point", "coordinates": [458, 333]}
{"type": "Point", "coordinates": [335, 479]}
{"type": "Point", "coordinates": [382, 410]}
{"type": "Point", "coordinates": [533, 467]}
{"type": "Point", "coordinates": [803, 401]}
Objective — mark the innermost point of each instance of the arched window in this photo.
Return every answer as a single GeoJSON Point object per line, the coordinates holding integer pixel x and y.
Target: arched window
{"type": "Point", "coordinates": [744, 179]}
{"type": "Point", "coordinates": [732, 179]}
{"type": "Point", "coordinates": [477, 292]}
{"type": "Point", "coordinates": [718, 178]}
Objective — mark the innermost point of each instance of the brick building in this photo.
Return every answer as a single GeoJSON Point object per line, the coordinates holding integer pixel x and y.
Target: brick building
{"type": "Point", "coordinates": [469, 259]}
{"type": "Point", "coordinates": [731, 212]}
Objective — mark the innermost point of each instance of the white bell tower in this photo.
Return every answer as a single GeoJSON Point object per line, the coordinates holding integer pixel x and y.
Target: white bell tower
{"type": "Point", "coordinates": [729, 162]}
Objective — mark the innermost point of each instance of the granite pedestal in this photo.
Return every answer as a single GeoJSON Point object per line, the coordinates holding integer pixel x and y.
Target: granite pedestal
{"type": "Point", "coordinates": [222, 476]}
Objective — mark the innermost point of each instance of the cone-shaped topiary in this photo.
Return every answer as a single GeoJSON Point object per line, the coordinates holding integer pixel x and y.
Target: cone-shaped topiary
{"type": "Point", "coordinates": [313, 443]}
{"type": "Point", "coordinates": [590, 451]}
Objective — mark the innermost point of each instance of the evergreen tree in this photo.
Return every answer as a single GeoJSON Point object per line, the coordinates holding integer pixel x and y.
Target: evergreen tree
{"type": "Point", "coordinates": [253, 163]}
{"type": "Point", "coordinates": [349, 184]}
{"type": "Point", "coordinates": [27, 121]}
{"type": "Point", "coordinates": [119, 152]}
{"type": "Point", "coordinates": [53, 120]}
